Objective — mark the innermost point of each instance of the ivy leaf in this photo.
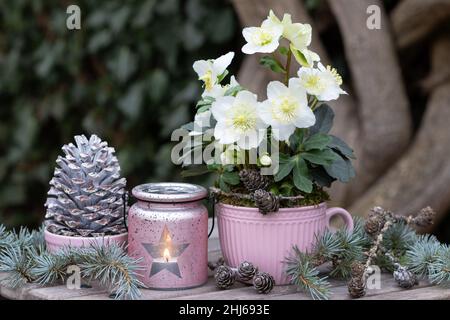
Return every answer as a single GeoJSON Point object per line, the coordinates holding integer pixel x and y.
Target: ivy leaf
{"type": "Point", "coordinates": [231, 178]}
{"type": "Point", "coordinates": [317, 141]}
{"type": "Point", "coordinates": [324, 120]}
{"type": "Point", "coordinates": [320, 157]}
{"type": "Point", "coordinates": [286, 165]}
{"type": "Point", "coordinates": [342, 147]}
{"type": "Point", "coordinates": [272, 64]}
{"type": "Point", "coordinates": [301, 174]}
{"type": "Point", "coordinates": [341, 169]}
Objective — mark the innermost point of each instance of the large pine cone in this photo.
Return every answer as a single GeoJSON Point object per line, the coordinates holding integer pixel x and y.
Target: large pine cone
{"type": "Point", "coordinates": [86, 191]}
{"type": "Point", "coordinates": [246, 271]}
{"type": "Point", "coordinates": [253, 180]}
{"type": "Point", "coordinates": [224, 276]}
{"type": "Point", "coordinates": [266, 201]}
{"type": "Point", "coordinates": [263, 282]}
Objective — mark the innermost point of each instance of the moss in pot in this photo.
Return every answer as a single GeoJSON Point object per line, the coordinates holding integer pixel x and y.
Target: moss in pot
{"type": "Point", "coordinates": [85, 202]}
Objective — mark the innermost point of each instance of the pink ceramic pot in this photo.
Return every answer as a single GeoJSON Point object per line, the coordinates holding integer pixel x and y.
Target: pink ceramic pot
{"type": "Point", "coordinates": [57, 242]}
{"type": "Point", "coordinates": [265, 240]}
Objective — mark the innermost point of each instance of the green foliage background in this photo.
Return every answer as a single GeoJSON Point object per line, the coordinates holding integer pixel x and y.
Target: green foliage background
{"type": "Point", "coordinates": [126, 76]}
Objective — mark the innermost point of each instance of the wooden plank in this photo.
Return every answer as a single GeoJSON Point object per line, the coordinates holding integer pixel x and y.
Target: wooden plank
{"type": "Point", "coordinates": [15, 294]}
{"type": "Point", "coordinates": [427, 293]}
{"type": "Point", "coordinates": [388, 285]}
{"type": "Point", "coordinates": [161, 294]}
{"type": "Point", "coordinates": [248, 292]}
{"type": "Point", "coordinates": [63, 293]}
{"type": "Point", "coordinates": [389, 289]}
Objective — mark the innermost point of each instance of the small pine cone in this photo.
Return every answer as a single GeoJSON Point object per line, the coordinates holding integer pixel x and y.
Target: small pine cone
{"type": "Point", "coordinates": [357, 269]}
{"type": "Point", "coordinates": [263, 282]}
{"type": "Point", "coordinates": [246, 271]}
{"type": "Point", "coordinates": [224, 276]}
{"type": "Point", "coordinates": [425, 217]}
{"type": "Point", "coordinates": [253, 180]}
{"type": "Point", "coordinates": [266, 201]}
{"type": "Point", "coordinates": [356, 287]}
{"type": "Point", "coordinates": [404, 278]}
{"type": "Point", "coordinates": [373, 225]}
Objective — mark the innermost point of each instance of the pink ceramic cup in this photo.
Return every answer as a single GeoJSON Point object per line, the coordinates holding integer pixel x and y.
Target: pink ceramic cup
{"type": "Point", "coordinates": [57, 242]}
{"type": "Point", "coordinates": [266, 240]}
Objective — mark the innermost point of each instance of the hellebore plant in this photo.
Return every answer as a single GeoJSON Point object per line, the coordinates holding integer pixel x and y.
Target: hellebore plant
{"type": "Point", "coordinates": [286, 136]}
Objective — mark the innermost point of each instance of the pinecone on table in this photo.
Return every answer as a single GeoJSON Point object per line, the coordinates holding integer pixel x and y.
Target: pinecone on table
{"type": "Point", "coordinates": [224, 276]}
{"type": "Point", "coordinates": [246, 271]}
{"type": "Point", "coordinates": [263, 282]}
{"type": "Point", "coordinates": [266, 201]}
{"type": "Point", "coordinates": [253, 180]}
{"type": "Point", "coordinates": [356, 287]}
{"type": "Point", "coordinates": [404, 278]}
{"type": "Point", "coordinates": [86, 192]}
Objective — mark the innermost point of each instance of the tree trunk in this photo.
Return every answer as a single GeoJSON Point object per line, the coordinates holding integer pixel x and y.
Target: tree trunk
{"type": "Point", "coordinates": [413, 20]}
{"type": "Point", "coordinates": [383, 106]}
{"type": "Point", "coordinates": [422, 176]}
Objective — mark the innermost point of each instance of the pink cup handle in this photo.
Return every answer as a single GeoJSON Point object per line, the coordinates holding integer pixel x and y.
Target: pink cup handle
{"type": "Point", "coordinates": [347, 217]}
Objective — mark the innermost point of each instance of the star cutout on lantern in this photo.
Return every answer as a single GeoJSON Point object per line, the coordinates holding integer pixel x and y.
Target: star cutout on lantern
{"type": "Point", "coordinates": [165, 254]}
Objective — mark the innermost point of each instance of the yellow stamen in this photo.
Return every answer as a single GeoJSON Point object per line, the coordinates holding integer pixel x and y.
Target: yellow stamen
{"type": "Point", "coordinates": [262, 38]}
{"type": "Point", "coordinates": [336, 75]}
{"type": "Point", "coordinates": [243, 119]}
{"type": "Point", "coordinates": [207, 79]}
{"type": "Point", "coordinates": [285, 109]}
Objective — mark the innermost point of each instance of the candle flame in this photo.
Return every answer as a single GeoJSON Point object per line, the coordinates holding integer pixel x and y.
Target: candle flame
{"type": "Point", "coordinates": [166, 254]}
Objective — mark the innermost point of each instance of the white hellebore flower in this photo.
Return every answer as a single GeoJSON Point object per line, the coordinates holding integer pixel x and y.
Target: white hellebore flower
{"type": "Point", "coordinates": [238, 120]}
{"type": "Point", "coordinates": [209, 70]}
{"type": "Point", "coordinates": [218, 90]}
{"type": "Point", "coordinates": [286, 108]}
{"type": "Point", "coordinates": [263, 39]}
{"type": "Point", "coordinates": [324, 83]}
{"type": "Point", "coordinates": [298, 34]}
{"type": "Point", "coordinates": [201, 120]}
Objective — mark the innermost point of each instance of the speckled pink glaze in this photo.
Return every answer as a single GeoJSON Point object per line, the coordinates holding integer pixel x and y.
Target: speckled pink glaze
{"type": "Point", "coordinates": [265, 240]}
{"type": "Point", "coordinates": [187, 224]}
{"type": "Point", "coordinates": [57, 242]}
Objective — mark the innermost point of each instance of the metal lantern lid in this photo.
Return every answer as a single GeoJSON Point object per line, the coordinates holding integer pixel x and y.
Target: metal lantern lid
{"type": "Point", "coordinates": [169, 192]}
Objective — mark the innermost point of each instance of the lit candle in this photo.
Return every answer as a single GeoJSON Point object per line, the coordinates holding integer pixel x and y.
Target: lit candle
{"type": "Point", "coordinates": [166, 254]}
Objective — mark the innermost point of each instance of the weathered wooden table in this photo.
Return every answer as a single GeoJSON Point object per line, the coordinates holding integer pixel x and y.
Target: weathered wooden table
{"type": "Point", "coordinates": [388, 291]}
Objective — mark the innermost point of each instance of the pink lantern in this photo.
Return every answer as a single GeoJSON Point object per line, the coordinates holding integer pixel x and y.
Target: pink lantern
{"type": "Point", "coordinates": [168, 229]}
